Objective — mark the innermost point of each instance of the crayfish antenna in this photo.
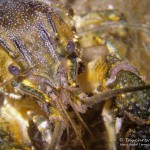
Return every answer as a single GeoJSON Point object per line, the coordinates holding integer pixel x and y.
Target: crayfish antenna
{"type": "Point", "coordinates": [111, 93]}
{"type": "Point", "coordinates": [72, 123]}
{"type": "Point", "coordinates": [79, 116]}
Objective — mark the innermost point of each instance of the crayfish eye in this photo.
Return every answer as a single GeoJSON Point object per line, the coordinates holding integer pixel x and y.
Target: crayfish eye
{"type": "Point", "coordinates": [14, 70]}
{"type": "Point", "coordinates": [70, 47]}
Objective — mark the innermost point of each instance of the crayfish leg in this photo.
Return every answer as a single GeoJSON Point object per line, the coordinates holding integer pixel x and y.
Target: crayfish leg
{"type": "Point", "coordinates": [42, 124]}
{"type": "Point", "coordinates": [109, 122]}
{"type": "Point", "coordinates": [58, 129]}
{"type": "Point", "coordinates": [112, 93]}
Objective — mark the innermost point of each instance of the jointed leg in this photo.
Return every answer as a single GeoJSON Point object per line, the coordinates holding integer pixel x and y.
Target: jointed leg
{"type": "Point", "coordinates": [109, 122]}
{"type": "Point", "coordinates": [112, 93]}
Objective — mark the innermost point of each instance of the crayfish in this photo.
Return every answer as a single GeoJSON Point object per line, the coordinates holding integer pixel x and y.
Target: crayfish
{"type": "Point", "coordinates": [44, 79]}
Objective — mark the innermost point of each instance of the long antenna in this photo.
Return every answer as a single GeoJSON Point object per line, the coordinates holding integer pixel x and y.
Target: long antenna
{"type": "Point", "coordinates": [78, 115]}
